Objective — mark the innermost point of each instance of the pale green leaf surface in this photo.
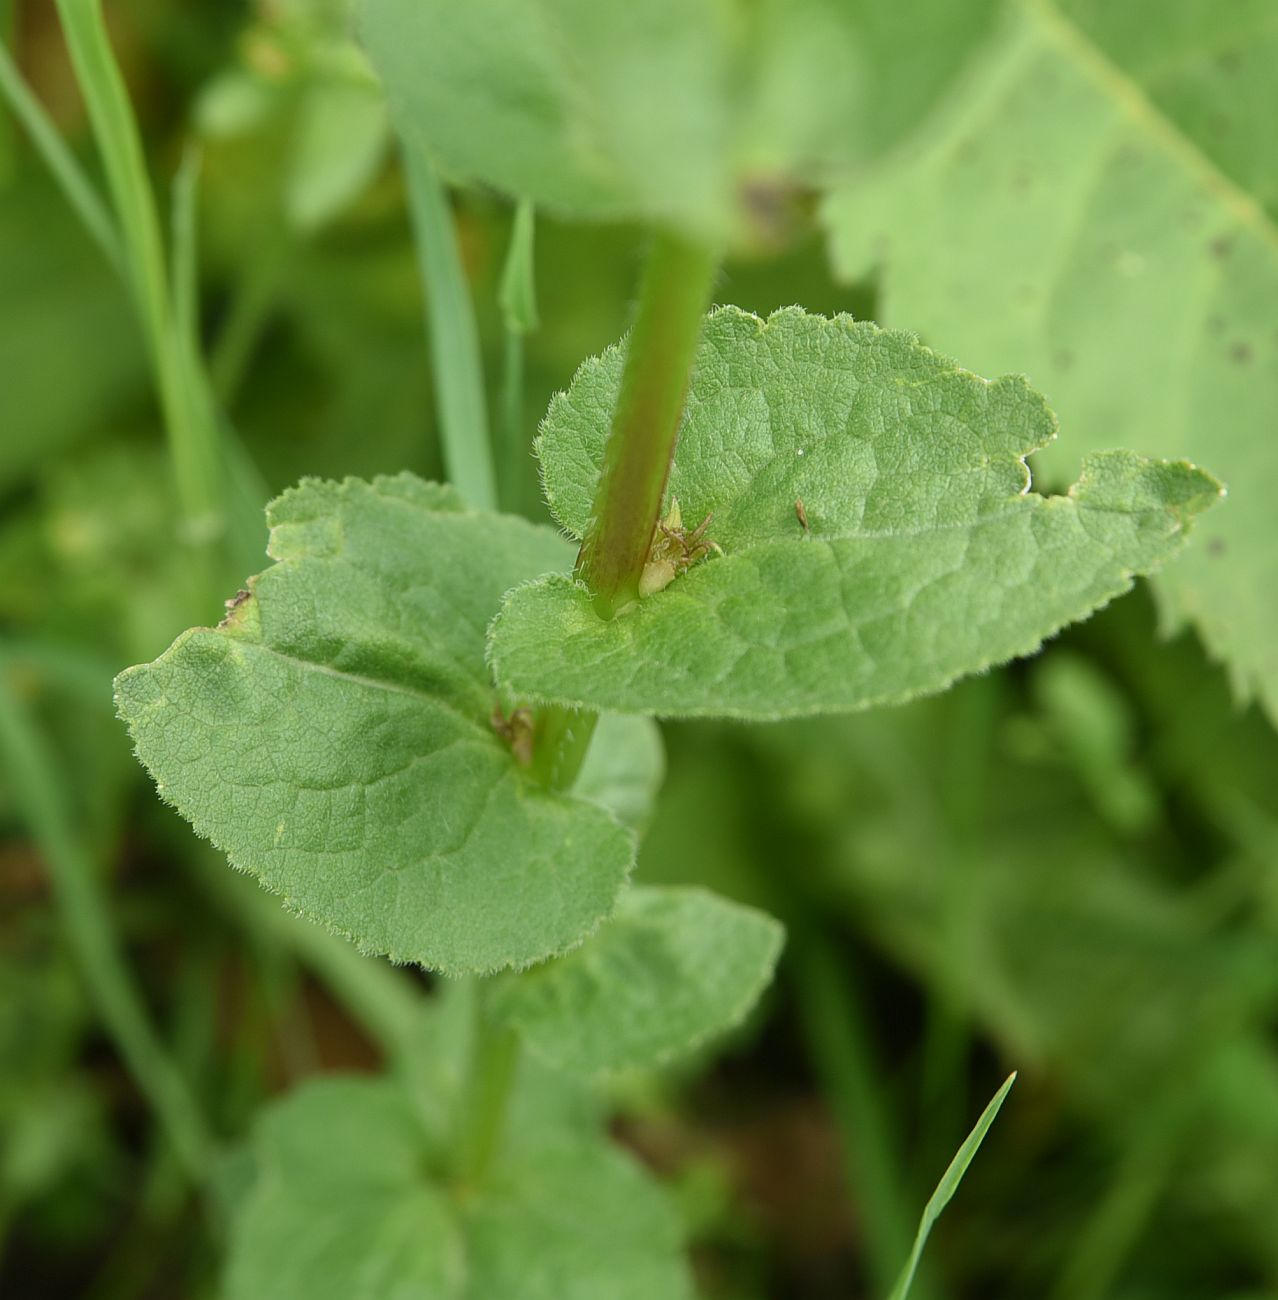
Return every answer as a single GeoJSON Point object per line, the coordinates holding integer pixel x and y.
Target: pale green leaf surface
{"type": "Point", "coordinates": [925, 557]}
{"type": "Point", "coordinates": [346, 1204]}
{"type": "Point", "coordinates": [687, 112]}
{"type": "Point", "coordinates": [340, 1207]}
{"type": "Point", "coordinates": [624, 768]}
{"type": "Point", "coordinates": [333, 735]}
{"type": "Point", "coordinates": [673, 968]}
{"type": "Point", "coordinates": [1099, 213]}
{"type": "Point", "coordinates": [342, 138]}
{"type": "Point", "coordinates": [1207, 66]}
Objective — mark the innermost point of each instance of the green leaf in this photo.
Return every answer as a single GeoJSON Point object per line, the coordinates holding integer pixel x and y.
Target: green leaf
{"type": "Point", "coordinates": [686, 112]}
{"type": "Point", "coordinates": [341, 141]}
{"type": "Point", "coordinates": [340, 1206]}
{"type": "Point", "coordinates": [948, 1185]}
{"type": "Point", "coordinates": [624, 768]}
{"type": "Point", "coordinates": [350, 1199]}
{"type": "Point", "coordinates": [673, 968]}
{"type": "Point", "coordinates": [333, 736]}
{"type": "Point", "coordinates": [924, 555]}
{"type": "Point", "coordinates": [1100, 212]}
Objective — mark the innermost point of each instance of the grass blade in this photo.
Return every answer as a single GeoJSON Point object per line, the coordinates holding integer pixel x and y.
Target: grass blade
{"type": "Point", "coordinates": [33, 777]}
{"type": "Point", "coordinates": [948, 1185]}
{"type": "Point", "coordinates": [76, 187]}
{"type": "Point", "coordinates": [453, 335]}
{"type": "Point", "coordinates": [193, 438]}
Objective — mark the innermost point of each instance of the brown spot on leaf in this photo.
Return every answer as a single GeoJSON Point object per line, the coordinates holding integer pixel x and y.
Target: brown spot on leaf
{"type": "Point", "coordinates": [1216, 546]}
{"type": "Point", "coordinates": [517, 731]}
{"type": "Point", "coordinates": [1221, 247]}
{"type": "Point", "coordinates": [1241, 353]}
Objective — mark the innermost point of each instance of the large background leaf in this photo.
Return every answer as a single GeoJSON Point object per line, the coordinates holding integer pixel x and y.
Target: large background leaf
{"type": "Point", "coordinates": [691, 112]}
{"type": "Point", "coordinates": [1100, 214]}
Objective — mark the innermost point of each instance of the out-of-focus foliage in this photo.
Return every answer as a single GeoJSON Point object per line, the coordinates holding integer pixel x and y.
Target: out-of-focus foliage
{"type": "Point", "coordinates": [1098, 211]}
{"type": "Point", "coordinates": [1069, 866]}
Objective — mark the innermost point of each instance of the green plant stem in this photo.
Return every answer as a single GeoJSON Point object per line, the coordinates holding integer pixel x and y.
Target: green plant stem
{"type": "Point", "coordinates": [645, 424]}
{"type": "Point", "coordinates": [186, 278]}
{"type": "Point", "coordinates": [561, 740]}
{"type": "Point", "coordinates": [76, 187]}
{"type": "Point", "coordinates": [8, 136]}
{"type": "Point", "coordinates": [494, 1060]}
{"type": "Point", "coordinates": [514, 446]}
{"type": "Point", "coordinates": [254, 298]}
{"type": "Point", "coordinates": [518, 300]}
{"type": "Point", "coordinates": [452, 335]}
{"type": "Point", "coordinates": [34, 779]}
{"type": "Point", "coordinates": [193, 435]}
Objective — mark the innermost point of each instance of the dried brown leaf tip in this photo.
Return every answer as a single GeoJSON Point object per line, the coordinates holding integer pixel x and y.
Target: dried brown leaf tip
{"type": "Point", "coordinates": [675, 549]}
{"type": "Point", "coordinates": [233, 605]}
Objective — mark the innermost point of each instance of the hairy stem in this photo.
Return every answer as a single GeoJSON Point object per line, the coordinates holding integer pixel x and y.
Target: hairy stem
{"type": "Point", "coordinates": [561, 738]}
{"type": "Point", "coordinates": [645, 424]}
{"type": "Point", "coordinates": [672, 300]}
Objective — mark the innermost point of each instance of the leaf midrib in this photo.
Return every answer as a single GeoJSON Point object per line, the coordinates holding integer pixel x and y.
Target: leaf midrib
{"type": "Point", "coordinates": [358, 679]}
{"type": "Point", "coordinates": [1132, 99]}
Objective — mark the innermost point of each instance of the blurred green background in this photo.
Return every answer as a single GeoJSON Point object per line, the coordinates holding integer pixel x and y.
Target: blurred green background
{"type": "Point", "coordinates": [1068, 867]}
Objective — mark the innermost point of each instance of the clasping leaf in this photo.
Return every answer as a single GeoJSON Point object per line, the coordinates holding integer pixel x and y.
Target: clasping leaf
{"type": "Point", "coordinates": [333, 735]}
{"type": "Point", "coordinates": [876, 536]}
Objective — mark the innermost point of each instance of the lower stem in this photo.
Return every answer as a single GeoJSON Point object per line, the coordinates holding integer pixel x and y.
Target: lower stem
{"type": "Point", "coordinates": [492, 1076]}
{"type": "Point", "coordinates": [645, 423]}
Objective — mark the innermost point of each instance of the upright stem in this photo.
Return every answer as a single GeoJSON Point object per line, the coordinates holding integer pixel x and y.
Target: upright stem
{"type": "Point", "coordinates": [561, 737]}
{"type": "Point", "coordinates": [492, 1075]}
{"type": "Point", "coordinates": [645, 424]}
